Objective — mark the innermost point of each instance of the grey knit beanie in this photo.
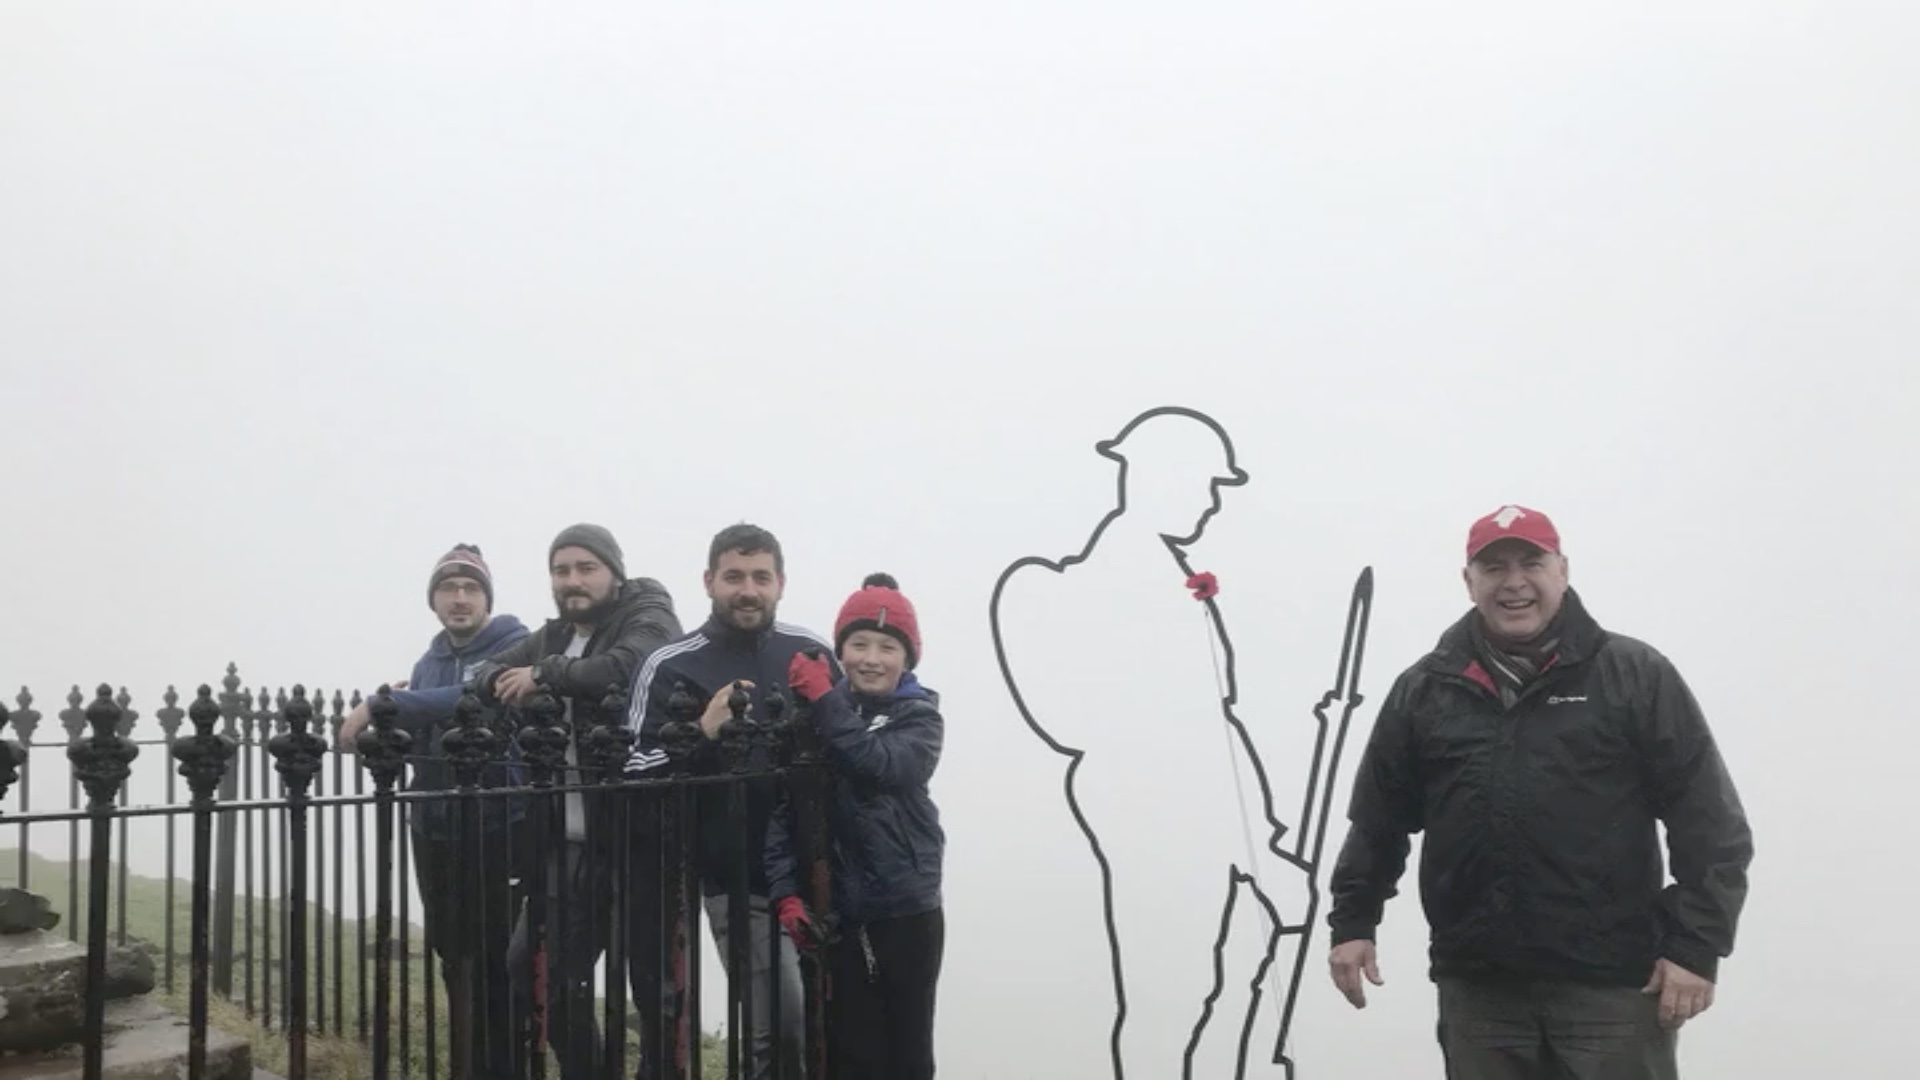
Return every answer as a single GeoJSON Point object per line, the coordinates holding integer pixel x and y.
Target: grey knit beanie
{"type": "Point", "coordinates": [595, 539]}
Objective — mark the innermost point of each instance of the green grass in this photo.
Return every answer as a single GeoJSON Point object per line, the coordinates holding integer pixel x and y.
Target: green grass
{"type": "Point", "coordinates": [332, 1054]}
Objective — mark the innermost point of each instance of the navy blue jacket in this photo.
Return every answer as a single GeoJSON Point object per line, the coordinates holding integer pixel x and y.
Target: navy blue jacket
{"type": "Point", "coordinates": [426, 713]}
{"type": "Point", "coordinates": [888, 846]}
{"type": "Point", "coordinates": [703, 662]}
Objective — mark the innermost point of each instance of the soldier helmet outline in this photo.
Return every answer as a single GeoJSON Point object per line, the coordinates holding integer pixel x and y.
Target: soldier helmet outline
{"type": "Point", "coordinates": [1158, 429]}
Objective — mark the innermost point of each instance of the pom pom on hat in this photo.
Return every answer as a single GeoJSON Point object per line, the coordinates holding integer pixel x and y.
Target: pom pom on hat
{"type": "Point", "coordinates": [880, 605]}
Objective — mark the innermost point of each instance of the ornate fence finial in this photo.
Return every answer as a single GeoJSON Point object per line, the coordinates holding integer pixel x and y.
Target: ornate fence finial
{"type": "Point", "coordinates": [737, 738]}
{"type": "Point", "coordinates": [383, 746]}
{"type": "Point", "coordinates": [544, 738]}
{"type": "Point", "coordinates": [609, 743]}
{"type": "Point", "coordinates": [680, 736]}
{"type": "Point", "coordinates": [337, 718]}
{"type": "Point", "coordinates": [12, 756]}
{"type": "Point", "coordinates": [203, 755]}
{"type": "Point", "coordinates": [779, 726]}
{"type": "Point", "coordinates": [74, 716]}
{"type": "Point", "coordinates": [170, 713]}
{"type": "Point", "coordinates": [278, 718]}
{"type": "Point", "coordinates": [259, 718]}
{"type": "Point", "coordinates": [296, 751]}
{"type": "Point", "coordinates": [127, 713]}
{"type": "Point", "coordinates": [470, 744]}
{"type": "Point", "coordinates": [102, 761]}
{"type": "Point", "coordinates": [25, 719]}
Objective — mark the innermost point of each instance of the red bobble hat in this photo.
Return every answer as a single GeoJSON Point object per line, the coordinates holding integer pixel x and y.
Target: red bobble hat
{"type": "Point", "coordinates": [879, 605]}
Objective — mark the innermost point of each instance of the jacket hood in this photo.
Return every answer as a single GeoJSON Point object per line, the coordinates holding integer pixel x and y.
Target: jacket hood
{"type": "Point", "coordinates": [643, 591]}
{"type": "Point", "coordinates": [497, 630]}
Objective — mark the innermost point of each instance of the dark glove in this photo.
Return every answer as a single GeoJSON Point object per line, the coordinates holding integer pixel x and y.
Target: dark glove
{"type": "Point", "coordinates": [793, 919]}
{"type": "Point", "coordinates": [809, 675]}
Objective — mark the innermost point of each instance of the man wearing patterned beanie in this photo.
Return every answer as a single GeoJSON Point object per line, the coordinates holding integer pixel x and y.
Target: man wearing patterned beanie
{"type": "Point", "coordinates": [460, 592]}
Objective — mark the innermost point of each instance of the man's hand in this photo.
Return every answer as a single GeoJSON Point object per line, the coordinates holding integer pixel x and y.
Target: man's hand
{"type": "Point", "coordinates": [351, 727]}
{"type": "Point", "coordinates": [717, 713]}
{"type": "Point", "coordinates": [809, 675]}
{"type": "Point", "coordinates": [1683, 995]}
{"type": "Point", "coordinates": [514, 685]}
{"type": "Point", "coordinates": [1350, 960]}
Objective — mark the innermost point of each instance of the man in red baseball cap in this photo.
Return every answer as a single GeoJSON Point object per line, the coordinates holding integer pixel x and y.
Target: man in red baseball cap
{"type": "Point", "coordinates": [1537, 751]}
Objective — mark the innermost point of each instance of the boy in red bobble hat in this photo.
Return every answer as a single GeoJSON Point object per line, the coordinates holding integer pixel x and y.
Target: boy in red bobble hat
{"type": "Point", "coordinates": [882, 732]}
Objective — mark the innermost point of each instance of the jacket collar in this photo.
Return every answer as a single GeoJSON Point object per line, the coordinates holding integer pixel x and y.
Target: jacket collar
{"type": "Point", "coordinates": [632, 593]}
{"type": "Point", "coordinates": [490, 635]}
{"type": "Point", "coordinates": [1580, 638]}
{"type": "Point", "coordinates": [909, 689]}
{"type": "Point", "coordinates": [727, 635]}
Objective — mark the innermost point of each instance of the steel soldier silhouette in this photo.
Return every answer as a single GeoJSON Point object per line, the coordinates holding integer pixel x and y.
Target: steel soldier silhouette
{"type": "Point", "coordinates": [1175, 804]}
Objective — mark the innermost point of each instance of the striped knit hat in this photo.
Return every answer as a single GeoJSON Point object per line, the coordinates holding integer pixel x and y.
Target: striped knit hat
{"type": "Point", "coordinates": [464, 560]}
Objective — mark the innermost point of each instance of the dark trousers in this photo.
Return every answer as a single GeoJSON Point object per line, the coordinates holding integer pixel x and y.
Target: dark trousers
{"type": "Point", "coordinates": [469, 911]}
{"type": "Point", "coordinates": [1542, 1030]}
{"type": "Point", "coordinates": [880, 998]}
{"type": "Point", "coordinates": [577, 908]}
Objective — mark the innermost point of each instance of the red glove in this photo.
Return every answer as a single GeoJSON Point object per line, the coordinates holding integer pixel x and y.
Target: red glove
{"type": "Point", "coordinates": [809, 675]}
{"type": "Point", "coordinates": [793, 919]}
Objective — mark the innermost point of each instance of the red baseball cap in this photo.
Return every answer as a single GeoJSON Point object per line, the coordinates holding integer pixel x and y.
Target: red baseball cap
{"type": "Point", "coordinates": [1513, 523]}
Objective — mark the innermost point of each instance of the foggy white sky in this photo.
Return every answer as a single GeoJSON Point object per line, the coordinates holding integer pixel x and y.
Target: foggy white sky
{"type": "Point", "coordinates": [292, 298]}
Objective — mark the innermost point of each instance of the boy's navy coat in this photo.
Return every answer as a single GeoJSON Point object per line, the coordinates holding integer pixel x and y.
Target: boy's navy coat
{"type": "Point", "coordinates": [888, 845]}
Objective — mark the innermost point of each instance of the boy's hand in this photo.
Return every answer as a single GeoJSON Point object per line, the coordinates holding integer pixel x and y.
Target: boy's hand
{"type": "Point", "coordinates": [809, 675]}
{"type": "Point", "coordinates": [793, 919]}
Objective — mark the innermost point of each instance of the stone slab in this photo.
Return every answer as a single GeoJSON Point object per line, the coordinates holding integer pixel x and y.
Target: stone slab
{"type": "Point", "coordinates": [43, 979]}
{"type": "Point", "coordinates": [144, 1042]}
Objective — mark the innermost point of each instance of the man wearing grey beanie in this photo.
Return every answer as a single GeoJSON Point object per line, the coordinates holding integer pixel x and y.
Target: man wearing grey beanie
{"type": "Point", "coordinates": [607, 625]}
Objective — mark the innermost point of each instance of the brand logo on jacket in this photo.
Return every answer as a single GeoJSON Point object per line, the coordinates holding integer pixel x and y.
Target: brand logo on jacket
{"type": "Point", "coordinates": [1558, 700]}
{"type": "Point", "coordinates": [879, 722]}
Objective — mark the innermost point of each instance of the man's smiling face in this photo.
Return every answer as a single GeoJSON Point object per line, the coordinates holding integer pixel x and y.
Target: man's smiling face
{"type": "Point", "coordinates": [1517, 588]}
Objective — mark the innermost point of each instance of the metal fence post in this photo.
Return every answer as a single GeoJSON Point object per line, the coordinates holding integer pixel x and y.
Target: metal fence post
{"type": "Point", "coordinates": [204, 757]}
{"type": "Point", "coordinates": [383, 752]}
{"type": "Point", "coordinates": [297, 754]}
{"type": "Point", "coordinates": [226, 838]}
{"type": "Point", "coordinates": [102, 764]}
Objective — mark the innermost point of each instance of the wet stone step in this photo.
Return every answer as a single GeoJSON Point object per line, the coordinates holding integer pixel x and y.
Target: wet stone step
{"type": "Point", "coordinates": [144, 1042]}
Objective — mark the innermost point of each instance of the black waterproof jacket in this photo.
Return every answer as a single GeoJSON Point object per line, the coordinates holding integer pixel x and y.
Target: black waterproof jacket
{"type": "Point", "coordinates": [1541, 858]}
{"type": "Point", "coordinates": [887, 843]}
{"type": "Point", "coordinates": [703, 662]}
{"type": "Point", "coordinates": [641, 621]}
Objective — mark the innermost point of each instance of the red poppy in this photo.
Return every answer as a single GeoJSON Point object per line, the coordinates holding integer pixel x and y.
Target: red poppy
{"type": "Point", "coordinates": [1204, 585]}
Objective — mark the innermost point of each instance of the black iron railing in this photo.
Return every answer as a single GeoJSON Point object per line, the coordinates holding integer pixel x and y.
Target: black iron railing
{"type": "Point", "coordinates": [301, 879]}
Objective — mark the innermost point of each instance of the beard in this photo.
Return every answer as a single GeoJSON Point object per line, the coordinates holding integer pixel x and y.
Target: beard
{"type": "Point", "coordinates": [588, 615]}
{"type": "Point", "coordinates": [731, 614]}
